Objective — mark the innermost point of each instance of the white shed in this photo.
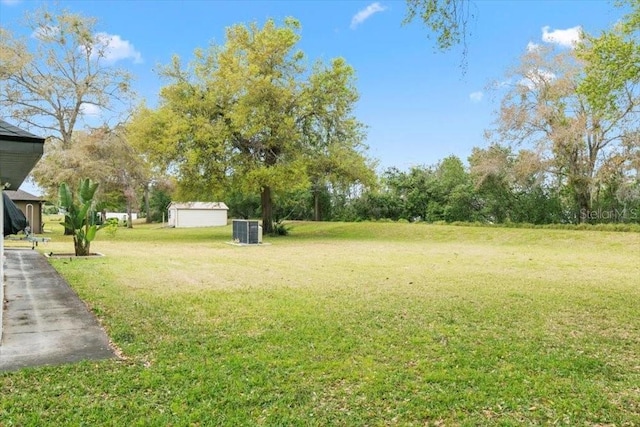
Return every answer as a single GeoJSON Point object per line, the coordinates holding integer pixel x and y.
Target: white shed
{"type": "Point", "coordinates": [197, 214]}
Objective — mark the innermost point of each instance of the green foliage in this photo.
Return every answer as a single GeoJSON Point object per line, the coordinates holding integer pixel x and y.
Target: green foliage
{"type": "Point", "coordinates": [50, 209]}
{"type": "Point", "coordinates": [436, 193]}
{"type": "Point", "coordinates": [111, 227]}
{"type": "Point", "coordinates": [159, 200]}
{"type": "Point", "coordinates": [243, 205]}
{"type": "Point", "coordinates": [611, 62]}
{"type": "Point", "coordinates": [611, 68]}
{"type": "Point", "coordinates": [247, 117]}
{"type": "Point", "coordinates": [79, 216]}
{"type": "Point", "coordinates": [295, 204]}
{"type": "Point", "coordinates": [333, 138]}
{"type": "Point", "coordinates": [377, 205]}
{"type": "Point", "coordinates": [498, 187]}
{"type": "Point", "coordinates": [280, 229]}
{"type": "Point", "coordinates": [448, 19]}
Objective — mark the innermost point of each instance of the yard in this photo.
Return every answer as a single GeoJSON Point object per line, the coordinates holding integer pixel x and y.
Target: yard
{"type": "Point", "coordinates": [350, 324]}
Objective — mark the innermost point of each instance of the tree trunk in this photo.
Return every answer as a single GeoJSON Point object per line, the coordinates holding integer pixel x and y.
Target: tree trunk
{"type": "Point", "coordinates": [146, 204]}
{"type": "Point", "coordinates": [80, 249]}
{"type": "Point", "coordinates": [267, 215]}
{"type": "Point", "coordinates": [129, 219]}
{"type": "Point", "coordinates": [582, 197]}
{"type": "Point", "coordinates": [316, 205]}
{"type": "Point", "coordinates": [584, 206]}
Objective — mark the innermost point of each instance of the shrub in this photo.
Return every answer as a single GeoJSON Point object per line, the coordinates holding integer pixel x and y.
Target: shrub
{"type": "Point", "coordinates": [50, 210]}
{"type": "Point", "coordinates": [280, 229]}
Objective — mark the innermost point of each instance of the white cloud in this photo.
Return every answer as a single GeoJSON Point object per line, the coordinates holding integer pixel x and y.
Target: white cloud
{"type": "Point", "coordinates": [90, 109]}
{"type": "Point", "coordinates": [566, 38]}
{"type": "Point", "coordinates": [365, 14]}
{"type": "Point", "coordinates": [115, 48]}
{"type": "Point", "coordinates": [532, 47]}
{"type": "Point", "coordinates": [476, 96]}
{"type": "Point", "coordinates": [10, 2]}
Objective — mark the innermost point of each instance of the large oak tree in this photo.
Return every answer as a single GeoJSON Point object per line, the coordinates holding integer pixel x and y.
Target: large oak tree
{"type": "Point", "coordinates": [250, 115]}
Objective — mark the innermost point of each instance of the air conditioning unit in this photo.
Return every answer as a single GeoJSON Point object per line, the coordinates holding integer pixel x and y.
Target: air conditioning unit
{"type": "Point", "coordinates": [247, 231]}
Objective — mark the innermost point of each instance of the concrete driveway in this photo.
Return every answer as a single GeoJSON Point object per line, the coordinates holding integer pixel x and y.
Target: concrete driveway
{"type": "Point", "coordinates": [45, 323]}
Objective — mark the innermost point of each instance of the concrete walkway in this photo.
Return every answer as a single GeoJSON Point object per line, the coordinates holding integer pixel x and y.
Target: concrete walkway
{"type": "Point", "coordinates": [45, 323]}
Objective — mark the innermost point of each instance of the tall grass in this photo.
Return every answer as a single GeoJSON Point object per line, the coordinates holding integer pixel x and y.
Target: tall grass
{"type": "Point", "coordinates": [350, 324]}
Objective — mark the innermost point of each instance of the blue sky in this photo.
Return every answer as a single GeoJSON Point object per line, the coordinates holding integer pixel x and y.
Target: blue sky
{"type": "Point", "coordinates": [417, 103]}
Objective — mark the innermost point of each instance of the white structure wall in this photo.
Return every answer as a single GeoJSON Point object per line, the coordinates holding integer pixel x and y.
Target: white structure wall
{"type": "Point", "coordinates": [197, 214]}
{"type": "Point", "coordinates": [121, 216]}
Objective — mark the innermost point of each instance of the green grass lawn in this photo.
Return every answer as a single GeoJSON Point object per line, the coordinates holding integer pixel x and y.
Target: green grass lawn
{"type": "Point", "coordinates": [350, 324]}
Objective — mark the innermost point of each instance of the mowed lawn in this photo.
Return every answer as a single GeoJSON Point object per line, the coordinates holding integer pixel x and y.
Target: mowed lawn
{"type": "Point", "coordinates": [371, 324]}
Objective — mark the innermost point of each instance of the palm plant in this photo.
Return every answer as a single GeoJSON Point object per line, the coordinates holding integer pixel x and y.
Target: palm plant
{"type": "Point", "coordinates": [79, 216]}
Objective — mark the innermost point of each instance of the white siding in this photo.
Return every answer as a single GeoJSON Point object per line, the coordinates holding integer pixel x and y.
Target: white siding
{"type": "Point", "coordinates": [182, 217]}
{"type": "Point", "coordinates": [121, 216]}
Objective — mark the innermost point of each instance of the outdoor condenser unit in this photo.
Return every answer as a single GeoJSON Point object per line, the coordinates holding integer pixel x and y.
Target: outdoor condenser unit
{"type": "Point", "coordinates": [247, 231]}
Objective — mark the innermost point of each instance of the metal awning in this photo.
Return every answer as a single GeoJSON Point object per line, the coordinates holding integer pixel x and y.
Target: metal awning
{"type": "Point", "coordinates": [19, 153]}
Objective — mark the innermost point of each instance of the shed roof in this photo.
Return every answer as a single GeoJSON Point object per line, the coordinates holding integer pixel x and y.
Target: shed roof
{"type": "Point", "coordinates": [19, 152]}
{"type": "Point", "coordinates": [22, 196]}
{"type": "Point", "coordinates": [216, 206]}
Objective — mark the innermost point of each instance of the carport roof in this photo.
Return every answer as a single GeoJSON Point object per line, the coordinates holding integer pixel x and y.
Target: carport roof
{"type": "Point", "coordinates": [19, 153]}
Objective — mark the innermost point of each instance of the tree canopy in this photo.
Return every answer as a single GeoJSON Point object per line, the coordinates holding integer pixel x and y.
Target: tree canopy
{"type": "Point", "coordinates": [576, 136]}
{"type": "Point", "coordinates": [250, 115]}
{"type": "Point", "coordinates": [58, 75]}
{"type": "Point", "coordinates": [102, 154]}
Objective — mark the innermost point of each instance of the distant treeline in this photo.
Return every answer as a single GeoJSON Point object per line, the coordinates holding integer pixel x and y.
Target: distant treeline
{"type": "Point", "coordinates": [449, 192]}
